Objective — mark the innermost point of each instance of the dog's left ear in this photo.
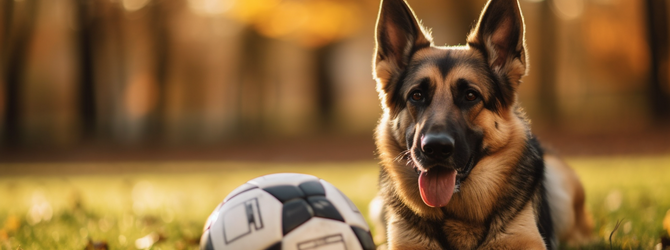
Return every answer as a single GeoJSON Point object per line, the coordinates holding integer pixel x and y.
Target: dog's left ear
{"type": "Point", "coordinates": [499, 34]}
{"type": "Point", "coordinates": [399, 35]}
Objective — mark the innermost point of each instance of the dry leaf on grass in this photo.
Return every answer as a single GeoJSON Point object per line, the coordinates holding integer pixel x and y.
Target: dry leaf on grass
{"type": "Point", "coordinates": [96, 245]}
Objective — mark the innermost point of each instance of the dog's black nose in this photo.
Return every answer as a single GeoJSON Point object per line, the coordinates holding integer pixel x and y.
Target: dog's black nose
{"type": "Point", "coordinates": [437, 146]}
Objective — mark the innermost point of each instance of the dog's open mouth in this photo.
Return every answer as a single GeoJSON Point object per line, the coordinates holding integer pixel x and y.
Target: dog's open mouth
{"type": "Point", "coordinates": [439, 181]}
{"type": "Point", "coordinates": [437, 185]}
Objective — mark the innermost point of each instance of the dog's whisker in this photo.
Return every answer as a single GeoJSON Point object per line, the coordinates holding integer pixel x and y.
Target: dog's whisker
{"type": "Point", "coordinates": [403, 155]}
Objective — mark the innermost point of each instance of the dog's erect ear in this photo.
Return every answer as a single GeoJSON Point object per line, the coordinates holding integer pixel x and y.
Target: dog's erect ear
{"type": "Point", "coordinates": [499, 34]}
{"type": "Point", "coordinates": [398, 34]}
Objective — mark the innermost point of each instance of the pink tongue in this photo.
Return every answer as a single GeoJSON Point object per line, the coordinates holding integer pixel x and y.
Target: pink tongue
{"type": "Point", "coordinates": [437, 186]}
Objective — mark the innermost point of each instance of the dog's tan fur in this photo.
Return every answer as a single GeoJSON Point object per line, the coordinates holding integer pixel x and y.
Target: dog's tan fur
{"type": "Point", "coordinates": [574, 223]}
{"type": "Point", "coordinates": [473, 218]}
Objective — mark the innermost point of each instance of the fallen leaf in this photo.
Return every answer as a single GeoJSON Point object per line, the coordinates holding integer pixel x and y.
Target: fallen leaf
{"type": "Point", "coordinates": [96, 245]}
{"type": "Point", "coordinates": [193, 241]}
{"type": "Point", "coordinates": [150, 220]}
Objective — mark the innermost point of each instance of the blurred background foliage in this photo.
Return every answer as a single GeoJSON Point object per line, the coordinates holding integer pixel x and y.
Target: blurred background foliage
{"type": "Point", "coordinates": [80, 73]}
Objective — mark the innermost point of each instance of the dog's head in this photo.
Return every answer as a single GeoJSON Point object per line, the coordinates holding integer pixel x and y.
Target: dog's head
{"type": "Point", "coordinates": [449, 106]}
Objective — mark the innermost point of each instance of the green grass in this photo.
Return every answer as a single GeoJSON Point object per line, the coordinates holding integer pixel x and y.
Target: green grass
{"type": "Point", "coordinates": [66, 211]}
{"type": "Point", "coordinates": [633, 190]}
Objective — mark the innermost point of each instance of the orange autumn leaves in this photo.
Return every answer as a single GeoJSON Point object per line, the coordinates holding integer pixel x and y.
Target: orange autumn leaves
{"type": "Point", "coordinates": [312, 23]}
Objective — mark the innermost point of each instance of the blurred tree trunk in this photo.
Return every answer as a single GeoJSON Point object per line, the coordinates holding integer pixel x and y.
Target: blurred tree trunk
{"type": "Point", "coordinates": [324, 86]}
{"type": "Point", "coordinates": [547, 66]}
{"type": "Point", "coordinates": [7, 18]}
{"type": "Point", "coordinates": [115, 71]}
{"type": "Point", "coordinates": [159, 17]}
{"type": "Point", "coordinates": [19, 36]}
{"type": "Point", "coordinates": [250, 100]}
{"type": "Point", "coordinates": [87, 26]}
{"type": "Point", "coordinates": [659, 84]}
{"type": "Point", "coordinates": [7, 11]}
{"type": "Point", "coordinates": [468, 12]}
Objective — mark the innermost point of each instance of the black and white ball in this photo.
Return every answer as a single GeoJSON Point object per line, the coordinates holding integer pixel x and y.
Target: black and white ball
{"type": "Point", "coordinates": [286, 211]}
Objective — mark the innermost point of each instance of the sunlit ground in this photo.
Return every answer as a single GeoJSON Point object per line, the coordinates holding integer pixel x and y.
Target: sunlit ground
{"type": "Point", "coordinates": [168, 210]}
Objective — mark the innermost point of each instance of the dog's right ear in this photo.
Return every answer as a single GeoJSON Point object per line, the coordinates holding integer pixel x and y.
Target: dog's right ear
{"type": "Point", "coordinates": [399, 34]}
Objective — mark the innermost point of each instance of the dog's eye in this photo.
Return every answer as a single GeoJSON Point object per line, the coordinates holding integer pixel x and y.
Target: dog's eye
{"type": "Point", "coordinates": [417, 96]}
{"type": "Point", "coordinates": [471, 95]}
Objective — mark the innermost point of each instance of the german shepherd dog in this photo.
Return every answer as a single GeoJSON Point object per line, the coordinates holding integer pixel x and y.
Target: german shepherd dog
{"type": "Point", "coordinates": [460, 168]}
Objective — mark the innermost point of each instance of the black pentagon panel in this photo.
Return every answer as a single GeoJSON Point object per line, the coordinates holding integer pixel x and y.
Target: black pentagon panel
{"type": "Point", "coordinates": [364, 237]}
{"type": "Point", "coordinates": [206, 242]}
{"type": "Point", "coordinates": [312, 188]}
{"type": "Point", "coordinates": [295, 213]}
{"type": "Point", "coordinates": [276, 246]}
{"type": "Point", "coordinates": [323, 208]}
{"type": "Point", "coordinates": [285, 193]}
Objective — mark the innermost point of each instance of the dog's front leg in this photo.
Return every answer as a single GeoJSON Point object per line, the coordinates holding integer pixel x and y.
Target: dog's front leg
{"type": "Point", "coordinates": [520, 233]}
{"type": "Point", "coordinates": [516, 242]}
{"type": "Point", "coordinates": [402, 236]}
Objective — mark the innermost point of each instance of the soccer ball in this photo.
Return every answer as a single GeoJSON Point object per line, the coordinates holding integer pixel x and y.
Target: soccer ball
{"type": "Point", "coordinates": [286, 211]}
